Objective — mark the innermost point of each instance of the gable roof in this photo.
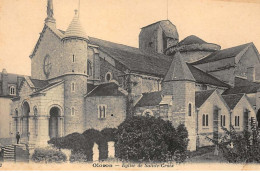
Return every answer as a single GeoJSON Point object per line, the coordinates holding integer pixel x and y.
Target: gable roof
{"type": "Point", "coordinates": [192, 39]}
{"type": "Point", "coordinates": [205, 78]}
{"type": "Point", "coordinates": [135, 59]}
{"type": "Point", "coordinates": [232, 99]}
{"type": "Point", "coordinates": [39, 83]}
{"type": "Point", "coordinates": [106, 89]}
{"type": "Point", "coordinates": [178, 70]}
{"type": "Point", "coordinates": [243, 86]}
{"type": "Point", "coordinates": [223, 54]}
{"type": "Point", "coordinates": [202, 96]}
{"type": "Point", "coordinates": [150, 99]}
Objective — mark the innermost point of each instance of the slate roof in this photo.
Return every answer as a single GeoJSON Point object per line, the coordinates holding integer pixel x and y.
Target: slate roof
{"type": "Point", "coordinates": [12, 78]}
{"type": "Point", "coordinates": [39, 83]}
{"type": "Point", "coordinates": [192, 39]}
{"type": "Point", "coordinates": [202, 96]}
{"type": "Point", "coordinates": [205, 78]}
{"type": "Point", "coordinates": [232, 99]}
{"type": "Point", "coordinates": [135, 59]}
{"type": "Point", "coordinates": [223, 54]}
{"type": "Point", "coordinates": [178, 70]}
{"type": "Point", "coordinates": [45, 87]}
{"type": "Point", "coordinates": [106, 89]}
{"type": "Point", "coordinates": [150, 99]}
{"type": "Point", "coordinates": [243, 86]}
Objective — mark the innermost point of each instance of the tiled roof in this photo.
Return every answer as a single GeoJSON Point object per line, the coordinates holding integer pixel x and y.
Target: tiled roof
{"type": "Point", "coordinates": [106, 89]}
{"type": "Point", "coordinates": [150, 99]}
{"type": "Point", "coordinates": [192, 39]}
{"type": "Point", "coordinates": [223, 54]}
{"type": "Point", "coordinates": [232, 99]}
{"type": "Point", "coordinates": [135, 59]}
{"type": "Point", "coordinates": [39, 83]}
{"type": "Point", "coordinates": [243, 86]}
{"type": "Point", "coordinates": [178, 70]}
{"type": "Point", "coordinates": [205, 78]}
{"type": "Point", "coordinates": [202, 96]}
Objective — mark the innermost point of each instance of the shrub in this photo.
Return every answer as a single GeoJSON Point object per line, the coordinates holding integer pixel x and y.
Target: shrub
{"type": "Point", "coordinates": [142, 138]}
{"type": "Point", "coordinates": [78, 157]}
{"type": "Point", "coordinates": [240, 147]}
{"type": "Point", "coordinates": [47, 155]}
{"type": "Point", "coordinates": [109, 133]}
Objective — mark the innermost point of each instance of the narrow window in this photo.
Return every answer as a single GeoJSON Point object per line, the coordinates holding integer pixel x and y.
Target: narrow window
{"type": "Point", "coordinates": [189, 109]}
{"type": "Point", "coordinates": [207, 120]}
{"type": "Point", "coordinates": [73, 58]}
{"type": "Point", "coordinates": [12, 90]}
{"type": "Point", "coordinates": [203, 120]}
{"type": "Point", "coordinates": [224, 120]}
{"type": "Point", "coordinates": [89, 68]}
{"type": "Point", "coordinates": [237, 120]}
{"type": "Point", "coordinates": [72, 111]}
{"type": "Point", "coordinates": [221, 120]}
{"type": "Point", "coordinates": [73, 87]}
{"type": "Point", "coordinates": [102, 111]}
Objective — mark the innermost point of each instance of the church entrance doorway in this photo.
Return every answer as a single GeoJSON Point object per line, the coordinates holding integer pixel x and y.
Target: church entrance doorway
{"type": "Point", "coordinates": [53, 122]}
{"type": "Point", "coordinates": [25, 119]}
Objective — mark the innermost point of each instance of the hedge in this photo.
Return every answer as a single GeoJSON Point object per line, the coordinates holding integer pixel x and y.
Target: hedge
{"type": "Point", "coordinates": [46, 155]}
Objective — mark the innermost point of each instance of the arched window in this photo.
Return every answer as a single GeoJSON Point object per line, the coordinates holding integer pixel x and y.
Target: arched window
{"type": "Point", "coordinates": [12, 90]}
{"type": "Point", "coordinates": [16, 112]}
{"type": "Point", "coordinates": [89, 68]}
{"type": "Point", "coordinates": [203, 120]}
{"type": "Point", "coordinates": [147, 112]}
{"type": "Point", "coordinates": [35, 111]}
{"type": "Point", "coordinates": [189, 110]}
{"type": "Point", "coordinates": [108, 76]}
{"type": "Point", "coordinates": [102, 111]}
{"type": "Point", "coordinates": [73, 86]}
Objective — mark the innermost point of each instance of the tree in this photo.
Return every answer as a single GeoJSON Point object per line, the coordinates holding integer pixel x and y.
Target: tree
{"type": "Point", "coordinates": [146, 138]}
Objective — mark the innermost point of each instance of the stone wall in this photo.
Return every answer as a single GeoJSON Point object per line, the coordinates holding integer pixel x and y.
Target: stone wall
{"type": "Point", "coordinates": [115, 112]}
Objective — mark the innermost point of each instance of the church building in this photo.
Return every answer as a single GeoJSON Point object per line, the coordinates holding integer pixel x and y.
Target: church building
{"type": "Point", "coordinates": [79, 82]}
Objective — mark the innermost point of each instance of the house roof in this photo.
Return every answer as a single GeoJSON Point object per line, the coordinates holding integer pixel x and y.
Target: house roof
{"type": "Point", "coordinates": [106, 89]}
{"type": "Point", "coordinates": [150, 99]}
{"type": "Point", "coordinates": [223, 54]}
{"type": "Point", "coordinates": [243, 86]}
{"type": "Point", "coordinates": [12, 78]}
{"type": "Point", "coordinates": [192, 39]}
{"type": "Point", "coordinates": [232, 99]}
{"type": "Point", "coordinates": [202, 96]}
{"type": "Point", "coordinates": [178, 70]}
{"type": "Point", "coordinates": [135, 59]}
{"type": "Point", "coordinates": [205, 78]}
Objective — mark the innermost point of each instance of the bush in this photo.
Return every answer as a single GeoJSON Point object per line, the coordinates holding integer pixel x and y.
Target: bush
{"type": "Point", "coordinates": [240, 147]}
{"type": "Point", "coordinates": [109, 133]}
{"type": "Point", "coordinates": [78, 157]}
{"type": "Point", "coordinates": [48, 156]}
{"type": "Point", "coordinates": [142, 138]}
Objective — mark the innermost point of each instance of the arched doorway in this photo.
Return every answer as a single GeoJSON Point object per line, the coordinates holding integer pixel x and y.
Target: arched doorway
{"type": "Point", "coordinates": [258, 118]}
{"type": "Point", "coordinates": [25, 120]}
{"type": "Point", "coordinates": [53, 122]}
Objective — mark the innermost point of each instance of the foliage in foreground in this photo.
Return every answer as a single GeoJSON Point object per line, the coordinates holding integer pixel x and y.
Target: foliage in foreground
{"type": "Point", "coordinates": [46, 155]}
{"type": "Point", "coordinates": [148, 139]}
{"type": "Point", "coordinates": [240, 147]}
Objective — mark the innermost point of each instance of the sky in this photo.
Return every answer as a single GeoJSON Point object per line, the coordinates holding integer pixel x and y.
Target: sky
{"type": "Point", "coordinates": [227, 23]}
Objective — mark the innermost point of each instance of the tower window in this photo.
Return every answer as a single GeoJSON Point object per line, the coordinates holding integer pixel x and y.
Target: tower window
{"type": "Point", "coordinates": [189, 109]}
{"type": "Point", "coordinates": [12, 90]}
{"type": "Point", "coordinates": [108, 77]}
{"type": "Point", "coordinates": [102, 111]}
{"type": "Point", "coordinates": [89, 68]}
{"type": "Point", "coordinates": [73, 58]}
{"type": "Point", "coordinates": [72, 111]}
{"type": "Point", "coordinates": [73, 87]}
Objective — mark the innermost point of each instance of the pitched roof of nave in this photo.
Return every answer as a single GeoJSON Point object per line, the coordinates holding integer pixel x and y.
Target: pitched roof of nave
{"type": "Point", "coordinates": [223, 54]}
{"type": "Point", "coordinates": [232, 99]}
{"type": "Point", "coordinates": [202, 96]}
{"type": "Point", "coordinates": [243, 86]}
{"type": "Point", "coordinates": [105, 89]}
{"type": "Point", "coordinates": [150, 99]}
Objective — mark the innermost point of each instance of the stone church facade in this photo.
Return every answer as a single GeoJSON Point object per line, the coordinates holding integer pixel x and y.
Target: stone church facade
{"type": "Point", "coordinates": [80, 82]}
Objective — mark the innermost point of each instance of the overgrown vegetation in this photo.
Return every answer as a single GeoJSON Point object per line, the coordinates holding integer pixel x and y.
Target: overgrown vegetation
{"type": "Point", "coordinates": [240, 147]}
{"type": "Point", "coordinates": [148, 139]}
{"type": "Point", "coordinates": [46, 155]}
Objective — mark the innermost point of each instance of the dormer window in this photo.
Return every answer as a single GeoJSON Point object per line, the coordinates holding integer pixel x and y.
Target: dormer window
{"type": "Point", "coordinates": [12, 90]}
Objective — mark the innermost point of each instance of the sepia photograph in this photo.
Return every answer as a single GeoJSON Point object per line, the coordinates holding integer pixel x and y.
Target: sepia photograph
{"type": "Point", "coordinates": [129, 85]}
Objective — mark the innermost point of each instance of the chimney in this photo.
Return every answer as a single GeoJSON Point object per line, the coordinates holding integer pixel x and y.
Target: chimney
{"type": "Point", "coordinates": [251, 74]}
{"type": "Point", "coordinates": [5, 90]}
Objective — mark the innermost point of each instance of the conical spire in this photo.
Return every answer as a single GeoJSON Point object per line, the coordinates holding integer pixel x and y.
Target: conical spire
{"type": "Point", "coordinates": [178, 70]}
{"type": "Point", "coordinates": [75, 30]}
{"type": "Point", "coordinates": [50, 19]}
